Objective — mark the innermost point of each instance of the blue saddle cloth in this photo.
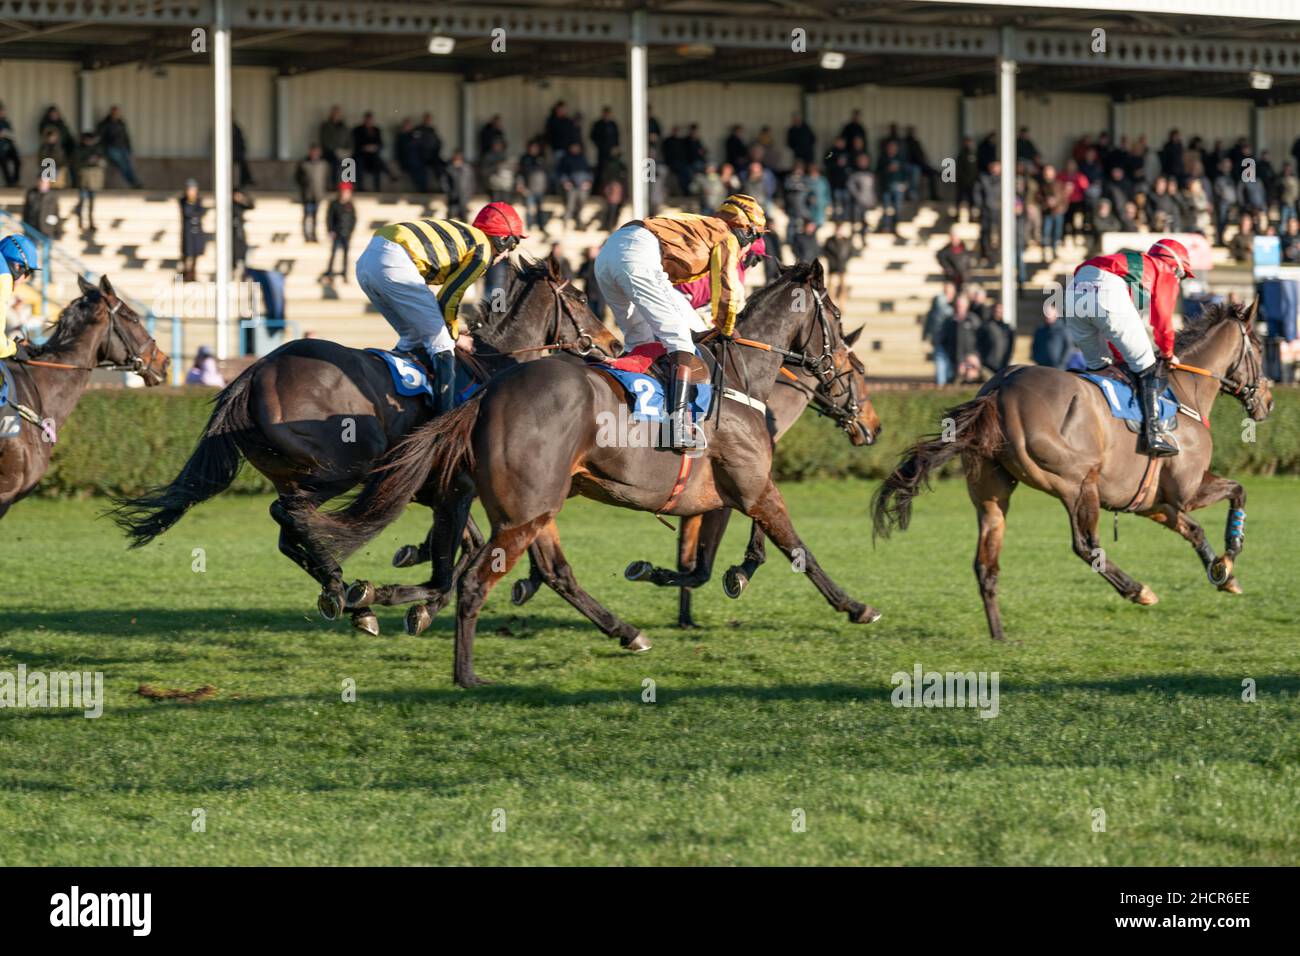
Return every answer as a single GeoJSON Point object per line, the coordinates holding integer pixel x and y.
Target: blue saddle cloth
{"type": "Point", "coordinates": [410, 378]}
{"type": "Point", "coordinates": [1123, 401]}
{"type": "Point", "coordinates": [645, 395]}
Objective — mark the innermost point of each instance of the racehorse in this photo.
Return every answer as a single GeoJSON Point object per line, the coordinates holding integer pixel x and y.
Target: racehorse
{"type": "Point", "coordinates": [532, 438]}
{"type": "Point", "coordinates": [1053, 431]}
{"type": "Point", "coordinates": [95, 330]}
{"type": "Point", "coordinates": [314, 417]}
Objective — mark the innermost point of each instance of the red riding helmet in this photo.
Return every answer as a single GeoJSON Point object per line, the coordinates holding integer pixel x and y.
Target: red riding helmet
{"type": "Point", "coordinates": [1174, 252]}
{"type": "Point", "coordinates": [499, 219]}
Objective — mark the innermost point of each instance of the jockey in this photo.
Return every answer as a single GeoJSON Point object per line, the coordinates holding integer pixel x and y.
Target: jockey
{"type": "Point", "coordinates": [18, 261]}
{"type": "Point", "coordinates": [639, 264]}
{"type": "Point", "coordinates": [405, 258]}
{"type": "Point", "coordinates": [1107, 293]}
{"type": "Point", "coordinates": [699, 292]}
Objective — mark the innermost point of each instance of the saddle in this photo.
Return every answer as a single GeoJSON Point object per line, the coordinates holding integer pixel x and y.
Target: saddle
{"type": "Point", "coordinates": [413, 374]}
{"type": "Point", "coordinates": [1119, 386]}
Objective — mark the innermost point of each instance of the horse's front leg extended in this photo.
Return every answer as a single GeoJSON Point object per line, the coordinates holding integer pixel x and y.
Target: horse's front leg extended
{"type": "Point", "coordinates": [770, 513]}
{"type": "Point", "coordinates": [738, 577]}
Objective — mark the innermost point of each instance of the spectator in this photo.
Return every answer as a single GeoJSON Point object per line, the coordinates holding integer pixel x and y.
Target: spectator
{"type": "Point", "coordinates": [88, 163]}
{"type": "Point", "coordinates": [239, 153]}
{"type": "Point", "coordinates": [1026, 151]}
{"type": "Point", "coordinates": [1051, 346]}
{"type": "Point", "coordinates": [367, 150]}
{"type": "Point", "coordinates": [1288, 194]}
{"type": "Point", "coordinates": [994, 341]}
{"type": "Point", "coordinates": [1165, 211]}
{"type": "Point", "coordinates": [52, 119]}
{"type": "Point", "coordinates": [1242, 246]}
{"type": "Point", "coordinates": [240, 203]}
{"type": "Point", "coordinates": [709, 188]}
{"type": "Point", "coordinates": [1171, 158]}
{"type": "Point", "coordinates": [839, 250]}
{"type": "Point", "coordinates": [988, 196]}
{"type": "Point", "coordinates": [1196, 206]}
{"type": "Point", "coordinates": [604, 136]}
{"type": "Point", "coordinates": [1029, 206]}
{"type": "Point", "coordinates": [675, 158]}
{"type": "Point", "coordinates": [957, 340]}
{"type": "Point", "coordinates": [796, 201]}
{"type": "Point", "coordinates": [1225, 197]}
{"type": "Point", "coordinates": [193, 239]}
{"type": "Point", "coordinates": [761, 184]}
{"type": "Point", "coordinates": [735, 149]}
{"type": "Point", "coordinates": [978, 298]}
{"type": "Point", "coordinates": [941, 310]}
{"type": "Point", "coordinates": [574, 174]}
{"type": "Point", "coordinates": [312, 177]}
{"type": "Point", "coordinates": [489, 135]}
{"type": "Point", "coordinates": [967, 174]}
{"type": "Point", "coordinates": [430, 148]}
{"type": "Point", "coordinates": [1252, 192]}
{"type": "Point", "coordinates": [498, 172]}
{"type": "Point", "coordinates": [1055, 199]}
{"type": "Point", "coordinates": [916, 156]}
{"type": "Point", "coordinates": [801, 140]}
{"type": "Point", "coordinates": [590, 287]}
{"type": "Point", "coordinates": [51, 159]}
{"type": "Point", "coordinates": [955, 260]}
{"type": "Point", "coordinates": [1290, 241]}
{"type": "Point", "coordinates": [10, 162]}
{"type": "Point", "coordinates": [204, 371]}
{"type": "Point", "coordinates": [818, 196]}
{"type": "Point", "coordinates": [410, 159]}
{"type": "Point", "coordinates": [531, 184]}
{"type": "Point", "coordinates": [892, 178]}
{"type": "Point", "coordinates": [117, 145]}
{"type": "Point", "coordinates": [458, 184]}
{"type": "Point", "coordinates": [41, 209]}
{"type": "Point", "coordinates": [561, 131]}
{"type": "Point", "coordinates": [862, 193]}
{"type": "Point", "coordinates": [1117, 188]}
{"type": "Point", "coordinates": [340, 221]}
{"type": "Point", "coordinates": [1104, 220]}
{"type": "Point", "coordinates": [986, 153]}
{"type": "Point", "coordinates": [854, 129]}
{"type": "Point", "coordinates": [805, 246]}
{"type": "Point", "coordinates": [613, 188]}
{"type": "Point", "coordinates": [335, 141]}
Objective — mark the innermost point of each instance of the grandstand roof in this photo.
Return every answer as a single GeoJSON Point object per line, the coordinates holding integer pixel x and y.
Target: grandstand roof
{"type": "Point", "coordinates": [359, 34]}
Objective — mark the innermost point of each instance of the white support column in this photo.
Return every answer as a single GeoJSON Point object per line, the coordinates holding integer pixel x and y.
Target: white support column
{"type": "Point", "coordinates": [283, 139]}
{"type": "Point", "coordinates": [85, 100]}
{"type": "Point", "coordinates": [1007, 151]}
{"type": "Point", "coordinates": [221, 163]}
{"type": "Point", "coordinates": [467, 144]}
{"type": "Point", "coordinates": [638, 112]}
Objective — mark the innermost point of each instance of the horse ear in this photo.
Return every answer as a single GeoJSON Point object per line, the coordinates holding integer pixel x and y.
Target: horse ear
{"type": "Point", "coordinates": [553, 265]}
{"type": "Point", "coordinates": [86, 287]}
{"type": "Point", "coordinates": [1249, 318]}
{"type": "Point", "coordinates": [853, 336]}
{"type": "Point", "coordinates": [817, 276]}
{"type": "Point", "coordinates": [106, 287]}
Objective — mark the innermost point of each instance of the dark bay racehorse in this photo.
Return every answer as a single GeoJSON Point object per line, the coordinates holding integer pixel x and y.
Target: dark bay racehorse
{"type": "Point", "coordinates": [531, 439]}
{"type": "Point", "coordinates": [96, 330]}
{"type": "Point", "coordinates": [314, 417]}
{"type": "Point", "coordinates": [1053, 431]}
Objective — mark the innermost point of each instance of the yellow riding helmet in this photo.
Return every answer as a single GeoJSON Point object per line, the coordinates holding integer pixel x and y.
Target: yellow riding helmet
{"type": "Point", "coordinates": [743, 211]}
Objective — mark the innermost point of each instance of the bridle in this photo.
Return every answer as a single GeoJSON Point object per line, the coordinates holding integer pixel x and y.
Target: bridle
{"type": "Point", "coordinates": [1231, 383]}
{"type": "Point", "coordinates": [135, 361]}
{"type": "Point", "coordinates": [583, 344]}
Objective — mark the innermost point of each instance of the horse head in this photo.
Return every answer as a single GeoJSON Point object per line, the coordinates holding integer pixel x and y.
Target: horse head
{"type": "Point", "coordinates": [1224, 343]}
{"type": "Point", "coordinates": [123, 343]}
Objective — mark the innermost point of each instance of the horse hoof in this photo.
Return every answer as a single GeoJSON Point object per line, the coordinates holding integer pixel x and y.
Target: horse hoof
{"type": "Point", "coordinates": [365, 620]}
{"type": "Point", "coordinates": [734, 582]}
{"type": "Point", "coordinates": [418, 619]}
{"type": "Point", "coordinates": [407, 556]}
{"type": "Point", "coordinates": [472, 680]}
{"type": "Point", "coordinates": [638, 570]}
{"type": "Point", "coordinates": [865, 615]}
{"type": "Point", "coordinates": [638, 643]}
{"type": "Point", "coordinates": [360, 594]}
{"type": "Point", "coordinates": [523, 589]}
{"type": "Point", "coordinates": [1220, 570]}
{"type": "Point", "coordinates": [1231, 586]}
{"type": "Point", "coordinates": [1146, 597]}
{"type": "Point", "coordinates": [330, 605]}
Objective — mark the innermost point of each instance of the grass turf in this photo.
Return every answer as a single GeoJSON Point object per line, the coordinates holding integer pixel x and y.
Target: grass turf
{"type": "Point", "coordinates": [775, 705]}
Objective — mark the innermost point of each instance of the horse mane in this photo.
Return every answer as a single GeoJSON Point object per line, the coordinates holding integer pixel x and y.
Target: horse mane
{"type": "Point", "coordinates": [483, 319]}
{"type": "Point", "coordinates": [797, 274]}
{"type": "Point", "coordinates": [68, 327]}
{"type": "Point", "coordinates": [1195, 331]}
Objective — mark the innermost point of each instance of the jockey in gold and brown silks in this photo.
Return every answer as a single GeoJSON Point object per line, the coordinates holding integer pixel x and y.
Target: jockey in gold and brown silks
{"type": "Point", "coordinates": [642, 261]}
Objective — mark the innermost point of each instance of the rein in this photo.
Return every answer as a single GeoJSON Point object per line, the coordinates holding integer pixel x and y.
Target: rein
{"type": "Point", "coordinates": [583, 345]}
{"type": "Point", "coordinates": [134, 360]}
{"type": "Point", "coordinates": [1244, 392]}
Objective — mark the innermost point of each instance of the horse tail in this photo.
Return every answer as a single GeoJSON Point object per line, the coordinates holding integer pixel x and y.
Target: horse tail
{"type": "Point", "coordinates": [211, 468]}
{"type": "Point", "coordinates": [972, 429]}
{"type": "Point", "coordinates": [437, 451]}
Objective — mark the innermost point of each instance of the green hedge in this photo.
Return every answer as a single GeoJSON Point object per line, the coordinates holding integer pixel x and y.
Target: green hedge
{"type": "Point", "coordinates": [121, 441]}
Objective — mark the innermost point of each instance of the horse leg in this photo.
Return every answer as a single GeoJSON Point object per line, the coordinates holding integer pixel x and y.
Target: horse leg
{"type": "Point", "coordinates": [558, 575]}
{"type": "Point", "coordinates": [1085, 512]}
{"type": "Point", "coordinates": [491, 562]}
{"type": "Point", "coordinates": [990, 487]}
{"type": "Point", "coordinates": [770, 513]}
{"type": "Point", "coordinates": [320, 565]}
{"type": "Point", "coordinates": [1214, 489]}
{"type": "Point", "coordinates": [738, 577]}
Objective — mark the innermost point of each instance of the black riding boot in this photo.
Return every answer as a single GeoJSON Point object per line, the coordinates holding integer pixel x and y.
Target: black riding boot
{"type": "Point", "coordinates": [444, 381]}
{"type": "Point", "coordinates": [681, 430]}
{"type": "Point", "coordinates": [1159, 442]}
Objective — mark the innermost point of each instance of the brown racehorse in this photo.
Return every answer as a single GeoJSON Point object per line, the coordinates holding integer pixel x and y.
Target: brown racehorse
{"type": "Point", "coordinates": [532, 438]}
{"type": "Point", "coordinates": [96, 330]}
{"type": "Point", "coordinates": [314, 417]}
{"type": "Point", "coordinates": [1054, 432]}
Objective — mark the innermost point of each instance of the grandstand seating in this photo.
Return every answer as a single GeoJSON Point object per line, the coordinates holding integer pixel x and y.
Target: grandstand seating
{"type": "Point", "coordinates": [889, 290]}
